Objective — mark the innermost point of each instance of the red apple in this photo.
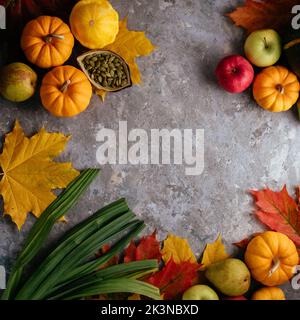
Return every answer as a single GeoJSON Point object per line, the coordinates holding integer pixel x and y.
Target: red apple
{"type": "Point", "coordinates": [235, 74]}
{"type": "Point", "coordinates": [235, 298]}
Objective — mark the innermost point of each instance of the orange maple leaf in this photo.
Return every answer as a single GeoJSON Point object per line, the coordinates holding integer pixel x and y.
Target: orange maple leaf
{"type": "Point", "coordinates": [255, 15]}
{"type": "Point", "coordinates": [279, 211]}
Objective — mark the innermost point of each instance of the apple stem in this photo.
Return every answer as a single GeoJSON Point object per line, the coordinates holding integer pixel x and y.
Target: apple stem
{"type": "Point", "coordinates": [50, 36]}
{"type": "Point", "coordinates": [280, 88]}
{"type": "Point", "coordinates": [266, 44]}
{"type": "Point", "coordinates": [65, 86]}
{"type": "Point", "coordinates": [276, 264]}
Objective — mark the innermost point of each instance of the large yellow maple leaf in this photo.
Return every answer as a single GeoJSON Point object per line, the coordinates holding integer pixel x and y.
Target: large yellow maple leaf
{"type": "Point", "coordinates": [130, 45]}
{"type": "Point", "coordinates": [214, 252]}
{"type": "Point", "coordinates": [178, 249]}
{"type": "Point", "coordinates": [29, 174]}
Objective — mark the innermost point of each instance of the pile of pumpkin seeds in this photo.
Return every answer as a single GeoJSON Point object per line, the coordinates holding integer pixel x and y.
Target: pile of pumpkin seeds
{"type": "Point", "coordinates": [107, 70]}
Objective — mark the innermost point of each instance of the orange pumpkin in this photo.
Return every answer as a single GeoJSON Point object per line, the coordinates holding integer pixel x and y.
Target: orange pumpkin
{"type": "Point", "coordinates": [272, 258]}
{"type": "Point", "coordinates": [268, 293]}
{"type": "Point", "coordinates": [276, 89]}
{"type": "Point", "coordinates": [65, 91]}
{"type": "Point", "coordinates": [47, 41]}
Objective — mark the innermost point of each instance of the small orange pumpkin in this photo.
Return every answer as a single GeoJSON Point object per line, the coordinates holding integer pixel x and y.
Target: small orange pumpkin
{"type": "Point", "coordinates": [268, 293]}
{"type": "Point", "coordinates": [65, 91]}
{"type": "Point", "coordinates": [272, 258]}
{"type": "Point", "coordinates": [47, 41]}
{"type": "Point", "coordinates": [276, 89]}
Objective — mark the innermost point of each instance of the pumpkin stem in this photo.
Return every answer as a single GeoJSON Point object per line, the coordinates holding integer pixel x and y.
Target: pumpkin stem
{"type": "Point", "coordinates": [280, 88]}
{"type": "Point", "coordinates": [276, 264]}
{"type": "Point", "coordinates": [65, 86]}
{"type": "Point", "coordinates": [50, 36]}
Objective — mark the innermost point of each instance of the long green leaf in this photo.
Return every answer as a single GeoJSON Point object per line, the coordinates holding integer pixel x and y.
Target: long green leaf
{"type": "Point", "coordinates": [91, 268]}
{"type": "Point", "coordinates": [73, 238]}
{"type": "Point", "coordinates": [120, 285]}
{"type": "Point", "coordinates": [60, 273]}
{"type": "Point", "coordinates": [131, 270]}
{"type": "Point", "coordinates": [43, 226]}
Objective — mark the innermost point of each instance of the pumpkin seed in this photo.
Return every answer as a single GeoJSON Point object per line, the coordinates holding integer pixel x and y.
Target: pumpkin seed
{"type": "Point", "coordinates": [107, 70]}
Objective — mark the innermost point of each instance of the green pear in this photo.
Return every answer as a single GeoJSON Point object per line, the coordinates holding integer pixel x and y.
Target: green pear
{"type": "Point", "coordinates": [17, 82]}
{"type": "Point", "coordinates": [230, 276]}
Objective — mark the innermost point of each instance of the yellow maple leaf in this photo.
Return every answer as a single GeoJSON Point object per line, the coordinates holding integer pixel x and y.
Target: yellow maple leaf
{"type": "Point", "coordinates": [29, 174]}
{"type": "Point", "coordinates": [129, 45]}
{"type": "Point", "coordinates": [177, 248]}
{"type": "Point", "coordinates": [101, 94]}
{"type": "Point", "coordinates": [214, 252]}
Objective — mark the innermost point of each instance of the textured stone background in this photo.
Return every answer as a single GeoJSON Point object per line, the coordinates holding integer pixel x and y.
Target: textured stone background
{"type": "Point", "coordinates": [245, 147]}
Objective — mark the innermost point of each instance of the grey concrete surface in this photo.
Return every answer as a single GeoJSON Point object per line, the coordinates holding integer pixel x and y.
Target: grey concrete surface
{"type": "Point", "coordinates": [245, 146]}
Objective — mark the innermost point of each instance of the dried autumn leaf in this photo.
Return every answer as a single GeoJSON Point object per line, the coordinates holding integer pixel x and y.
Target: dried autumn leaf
{"type": "Point", "coordinates": [130, 45]}
{"type": "Point", "coordinates": [255, 15]}
{"type": "Point", "coordinates": [214, 252]}
{"type": "Point", "coordinates": [134, 297]}
{"type": "Point", "coordinates": [175, 278]}
{"type": "Point", "coordinates": [129, 252]}
{"type": "Point", "coordinates": [21, 11]}
{"type": "Point", "coordinates": [178, 249]}
{"type": "Point", "coordinates": [244, 243]}
{"type": "Point", "coordinates": [101, 94]}
{"type": "Point", "coordinates": [279, 211]}
{"type": "Point", "coordinates": [29, 174]}
{"type": "Point", "coordinates": [148, 248]}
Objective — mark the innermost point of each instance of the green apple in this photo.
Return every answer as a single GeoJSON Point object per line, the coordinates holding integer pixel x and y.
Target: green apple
{"type": "Point", "coordinates": [200, 292]}
{"type": "Point", "coordinates": [17, 82]}
{"type": "Point", "coordinates": [263, 47]}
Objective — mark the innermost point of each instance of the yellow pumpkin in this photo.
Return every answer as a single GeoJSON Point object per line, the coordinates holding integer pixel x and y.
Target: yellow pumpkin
{"type": "Point", "coordinates": [272, 258]}
{"type": "Point", "coordinates": [268, 293]}
{"type": "Point", "coordinates": [276, 89]}
{"type": "Point", "coordinates": [94, 23]}
{"type": "Point", "coordinates": [47, 41]}
{"type": "Point", "coordinates": [65, 91]}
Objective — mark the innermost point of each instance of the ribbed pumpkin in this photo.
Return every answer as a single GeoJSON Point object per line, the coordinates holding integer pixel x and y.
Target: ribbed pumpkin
{"type": "Point", "coordinates": [276, 89]}
{"type": "Point", "coordinates": [65, 91]}
{"type": "Point", "coordinates": [272, 258]}
{"type": "Point", "coordinates": [47, 41]}
{"type": "Point", "coordinates": [94, 23]}
{"type": "Point", "coordinates": [268, 293]}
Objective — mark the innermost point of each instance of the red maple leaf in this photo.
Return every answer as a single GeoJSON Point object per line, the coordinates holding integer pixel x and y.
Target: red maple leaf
{"type": "Point", "coordinates": [255, 15]}
{"type": "Point", "coordinates": [129, 253]}
{"type": "Point", "coordinates": [114, 260]}
{"type": "Point", "coordinates": [174, 278]}
{"type": "Point", "coordinates": [244, 243]}
{"type": "Point", "coordinates": [148, 248]}
{"type": "Point", "coordinates": [279, 211]}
